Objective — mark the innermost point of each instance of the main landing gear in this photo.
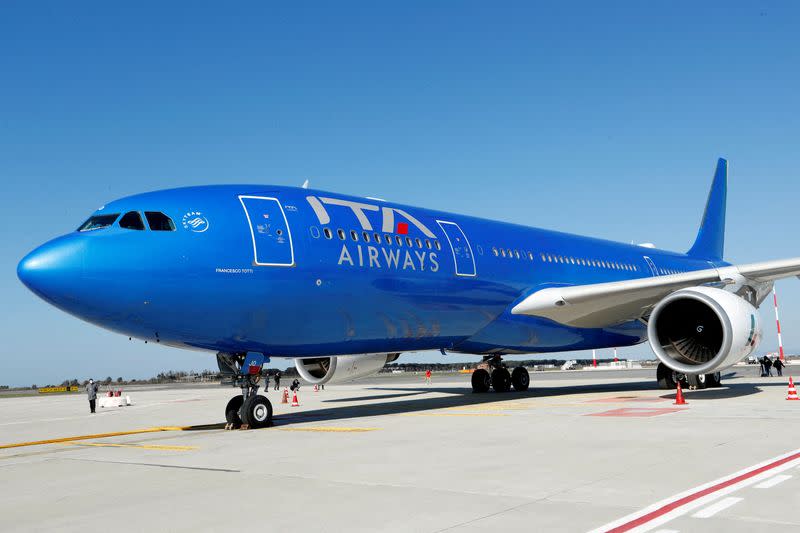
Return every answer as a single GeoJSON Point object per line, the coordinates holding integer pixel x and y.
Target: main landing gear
{"type": "Point", "coordinates": [249, 410]}
{"type": "Point", "coordinates": [493, 373]}
{"type": "Point", "coordinates": [668, 379]}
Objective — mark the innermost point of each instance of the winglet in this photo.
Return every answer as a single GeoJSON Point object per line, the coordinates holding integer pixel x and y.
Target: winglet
{"type": "Point", "coordinates": [710, 243]}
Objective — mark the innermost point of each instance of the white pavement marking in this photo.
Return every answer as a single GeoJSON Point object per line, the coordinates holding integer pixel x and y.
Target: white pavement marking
{"type": "Point", "coordinates": [721, 505]}
{"type": "Point", "coordinates": [771, 482]}
{"type": "Point", "coordinates": [671, 508]}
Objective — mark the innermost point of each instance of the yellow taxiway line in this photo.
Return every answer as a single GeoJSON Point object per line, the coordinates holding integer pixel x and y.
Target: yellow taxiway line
{"type": "Point", "coordinates": [139, 446]}
{"type": "Point", "coordinates": [95, 436]}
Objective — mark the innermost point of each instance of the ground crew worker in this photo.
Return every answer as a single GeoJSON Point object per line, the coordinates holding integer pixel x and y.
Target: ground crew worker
{"type": "Point", "coordinates": [91, 392]}
{"type": "Point", "coordinates": [778, 364]}
{"type": "Point", "coordinates": [277, 380]}
{"type": "Point", "coordinates": [428, 376]}
{"type": "Point", "coordinates": [767, 367]}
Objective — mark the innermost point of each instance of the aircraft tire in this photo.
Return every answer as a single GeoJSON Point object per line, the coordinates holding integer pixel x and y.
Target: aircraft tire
{"type": "Point", "coordinates": [501, 380]}
{"type": "Point", "coordinates": [481, 381]}
{"type": "Point", "coordinates": [257, 412]}
{"type": "Point", "coordinates": [714, 380]}
{"type": "Point", "coordinates": [520, 379]}
{"type": "Point", "coordinates": [665, 377]}
{"type": "Point", "coordinates": [232, 416]}
{"type": "Point", "coordinates": [698, 381]}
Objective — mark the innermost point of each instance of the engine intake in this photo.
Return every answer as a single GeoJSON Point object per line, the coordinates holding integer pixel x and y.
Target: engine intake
{"type": "Point", "coordinates": [702, 330]}
{"type": "Point", "coordinates": [340, 368]}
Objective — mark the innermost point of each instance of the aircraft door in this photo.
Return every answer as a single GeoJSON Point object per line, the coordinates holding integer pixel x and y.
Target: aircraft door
{"type": "Point", "coordinates": [462, 251]}
{"type": "Point", "coordinates": [269, 229]}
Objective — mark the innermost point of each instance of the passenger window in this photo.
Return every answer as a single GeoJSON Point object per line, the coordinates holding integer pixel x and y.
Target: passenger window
{"type": "Point", "coordinates": [388, 239]}
{"type": "Point", "coordinates": [516, 254]}
{"type": "Point", "coordinates": [438, 245]}
{"type": "Point", "coordinates": [398, 240]}
{"type": "Point", "coordinates": [377, 238]}
{"type": "Point", "coordinates": [159, 221]}
{"type": "Point", "coordinates": [328, 233]}
{"type": "Point", "coordinates": [502, 252]}
{"type": "Point", "coordinates": [353, 235]}
{"type": "Point", "coordinates": [340, 233]}
{"type": "Point", "coordinates": [314, 232]}
{"type": "Point", "coordinates": [530, 256]}
{"type": "Point", "coordinates": [428, 244]}
{"type": "Point", "coordinates": [419, 243]}
{"type": "Point", "coordinates": [366, 236]}
{"type": "Point", "coordinates": [131, 220]}
{"type": "Point", "coordinates": [409, 242]}
{"type": "Point", "coordinates": [495, 252]}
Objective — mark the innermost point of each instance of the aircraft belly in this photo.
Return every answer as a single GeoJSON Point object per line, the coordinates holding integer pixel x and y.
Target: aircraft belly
{"type": "Point", "coordinates": [524, 334]}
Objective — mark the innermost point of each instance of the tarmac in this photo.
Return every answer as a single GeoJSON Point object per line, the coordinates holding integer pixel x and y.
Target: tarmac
{"type": "Point", "coordinates": [581, 451]}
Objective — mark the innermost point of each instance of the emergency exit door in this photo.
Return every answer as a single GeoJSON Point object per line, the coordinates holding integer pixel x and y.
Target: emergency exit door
{"type": "Point", "coordinates": [269, 229]}
{"type": "Point", "coordinates": [462, 251]}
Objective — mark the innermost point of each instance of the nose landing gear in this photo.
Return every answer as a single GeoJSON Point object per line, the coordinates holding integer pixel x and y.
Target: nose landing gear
{"type": "Point", "coordinates": [249, 410]}
{"type": "Point", "coordinates": [492, 372]}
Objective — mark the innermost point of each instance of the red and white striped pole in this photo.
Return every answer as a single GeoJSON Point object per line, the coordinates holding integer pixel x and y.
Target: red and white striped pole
{"type": "Point", "coordinates": [615, 356]}
{"type": "Point", "coordinates": [778, 321]}
{"type": "Point", "coordinates": [594, 358]}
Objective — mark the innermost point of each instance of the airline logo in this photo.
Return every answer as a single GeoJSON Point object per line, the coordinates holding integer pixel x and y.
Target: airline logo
{"type": "Point", "coordinates": [195, 221]}
{"type": "Point", "coordinates": [392, 220]}
{"type": "Point", "coordinates": [389, 222]}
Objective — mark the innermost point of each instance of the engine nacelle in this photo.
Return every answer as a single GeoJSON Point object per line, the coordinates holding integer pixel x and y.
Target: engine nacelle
{"type": "Point", "coordinates": [339, 368]}
{"type": "Point", "coordinates": [701, 330]}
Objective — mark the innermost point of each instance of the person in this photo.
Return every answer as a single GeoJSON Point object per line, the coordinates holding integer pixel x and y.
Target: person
{"type": "Point", "coordinates": [277, 380]}
{"type": "Point", "coordinates": [761, 364]}
{"type": "Point", "coordinates": [91, 392]}
{"type": "Point", "coordinates": [767, 366]}
{"type": "Point", "coordinates": [295, 385]}
{"type": "Point", "coordinates": [778, 364]}
{"type": "Point", "coordinates": [428, 376]}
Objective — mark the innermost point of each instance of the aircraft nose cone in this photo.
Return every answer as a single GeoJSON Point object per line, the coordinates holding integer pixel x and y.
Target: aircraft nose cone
{"type": "Point", "coordinates": [50, 270]}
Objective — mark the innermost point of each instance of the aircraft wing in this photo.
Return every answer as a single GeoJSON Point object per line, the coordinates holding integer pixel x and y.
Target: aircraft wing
{"type": "Point", "coordinates": [606, 304]}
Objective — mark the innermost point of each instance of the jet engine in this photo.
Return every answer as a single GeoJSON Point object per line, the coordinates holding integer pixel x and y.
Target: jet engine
{"type": "Point", "coordinates": [701, 330]}
{"type": "Point", "coordinates": [339, 368]}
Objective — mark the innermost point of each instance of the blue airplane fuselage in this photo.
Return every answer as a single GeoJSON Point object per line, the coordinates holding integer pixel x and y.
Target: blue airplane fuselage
{"type": "Point", "coordinates": [293, 272]}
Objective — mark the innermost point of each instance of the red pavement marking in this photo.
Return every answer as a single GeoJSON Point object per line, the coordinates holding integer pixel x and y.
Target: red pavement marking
{"type": "Point", "coordinates": [633, 411]}
{"type": "Point", "coordinates": [626, 399]}
{"type": "Point", "coordinates": [649, 517]}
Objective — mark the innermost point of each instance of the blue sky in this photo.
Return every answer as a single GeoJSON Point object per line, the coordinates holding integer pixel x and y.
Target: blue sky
{"type": "Point", "coordinates": [597, 118]}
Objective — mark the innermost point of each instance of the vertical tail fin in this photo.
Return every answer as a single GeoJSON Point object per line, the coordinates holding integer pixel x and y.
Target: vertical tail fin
{"type": "Point", "coordinates": [710, 242]}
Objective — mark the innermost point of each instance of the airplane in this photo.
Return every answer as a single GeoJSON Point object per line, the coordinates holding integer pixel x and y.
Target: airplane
{"type": "Point", "coordinates": [342, 285]}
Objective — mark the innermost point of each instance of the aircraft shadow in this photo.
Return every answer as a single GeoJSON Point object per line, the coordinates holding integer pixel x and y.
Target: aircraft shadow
{"type": "Point", "coordinates": [457, 397]}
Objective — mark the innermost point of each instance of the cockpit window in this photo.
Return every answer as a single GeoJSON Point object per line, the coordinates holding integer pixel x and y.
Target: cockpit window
{"type": "Point", "coordinates": [98, 222]}
{"type": "Point", "coordinates": [131, 220]}
{"type": "Point", "coordinates": [159, 221]}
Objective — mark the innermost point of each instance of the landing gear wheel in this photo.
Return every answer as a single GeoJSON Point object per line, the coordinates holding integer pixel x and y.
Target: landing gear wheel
{"type": "Point", "coordinates": [481, 381]}
{"type": "Point", "coordinates": [520, 379]}
{"type": "Point", "coordinates": [257, 412]}
{"type": "Point", "coordinates": [501, 380]}
{"type": "Point", "coordinates": [666, 377]}
{"type": "Point", "coordinates": [232, 417]}
{"type": "Point", "coordinates": [713, 380]}
{"type": "Point", "coordinates": [697, 381]}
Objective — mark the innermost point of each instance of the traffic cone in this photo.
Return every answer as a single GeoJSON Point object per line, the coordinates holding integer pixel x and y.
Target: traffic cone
{"type": "Point", "coordinates": [679, 396]}
{"type": "Point", "coordinates": [295, 402]}
{"type": "Point", "coordinates": [285, 397]}
{"type": "Point", "coordinates": [316, 388]}
{"type": "Point", "coordinates": [792, 395]}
